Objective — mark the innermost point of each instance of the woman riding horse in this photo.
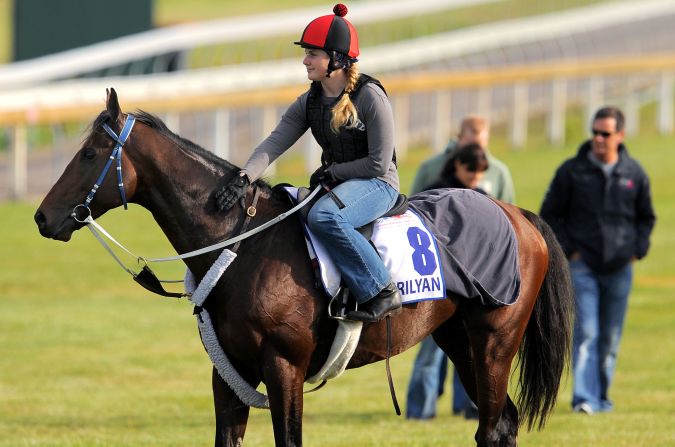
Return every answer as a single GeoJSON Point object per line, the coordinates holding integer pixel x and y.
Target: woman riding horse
{"type": "Point", "coordinates": [270, 320]}
{"type": "Point", "coordinates": [351, 119]}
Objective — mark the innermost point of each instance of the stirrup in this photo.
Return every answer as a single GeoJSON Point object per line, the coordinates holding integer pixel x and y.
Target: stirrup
{"type": "Point", "coordinates": [341, 304]}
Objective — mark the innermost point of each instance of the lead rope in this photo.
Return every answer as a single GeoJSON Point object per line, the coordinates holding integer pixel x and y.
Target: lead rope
{"type": "Point", "coordinates": [391, 381]}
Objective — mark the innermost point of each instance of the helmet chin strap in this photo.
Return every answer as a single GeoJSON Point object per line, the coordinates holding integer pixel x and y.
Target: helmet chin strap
{"type": "Point", "coordinates": [337, 61]}
{"type": "Point", "coordinates": [331, 63]}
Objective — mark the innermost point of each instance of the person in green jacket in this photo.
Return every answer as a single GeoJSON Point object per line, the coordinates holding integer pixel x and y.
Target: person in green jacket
{"type": "Point", "coordinates": [429, 370]}
{"type": "Point", "coordinates": [497, 180]}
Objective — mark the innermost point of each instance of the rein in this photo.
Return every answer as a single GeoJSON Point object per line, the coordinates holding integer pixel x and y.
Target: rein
{"type": "Point", "coordinates": [146, 277]}
{"type": "Point", "coordinates": [250, 213]}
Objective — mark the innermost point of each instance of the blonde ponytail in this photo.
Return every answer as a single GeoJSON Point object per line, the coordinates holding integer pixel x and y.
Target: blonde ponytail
{"type": "Point", "coordinates": [344, 112]}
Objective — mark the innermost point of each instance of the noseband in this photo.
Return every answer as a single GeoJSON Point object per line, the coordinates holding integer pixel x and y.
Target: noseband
{"type": "Point", "coordinates": [115, 155]}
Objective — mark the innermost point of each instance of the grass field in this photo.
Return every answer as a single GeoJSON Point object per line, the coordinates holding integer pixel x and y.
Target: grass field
{"type": "Point", "coordinates": [88, 358]}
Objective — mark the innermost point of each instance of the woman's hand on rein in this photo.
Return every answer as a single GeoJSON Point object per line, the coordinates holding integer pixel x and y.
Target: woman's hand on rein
{"type": "Point", "coordinates": [323, 176]}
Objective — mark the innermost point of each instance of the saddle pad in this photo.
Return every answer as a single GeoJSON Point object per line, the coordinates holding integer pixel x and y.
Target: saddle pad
{"type": "Point", "coordinates": [407, 249]}
{"type": "Point", "coordinates": [477, 244]}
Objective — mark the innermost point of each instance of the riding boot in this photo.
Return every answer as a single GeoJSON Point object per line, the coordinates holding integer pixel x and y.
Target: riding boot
{"type": "Point", "coordinates": [386, 302]}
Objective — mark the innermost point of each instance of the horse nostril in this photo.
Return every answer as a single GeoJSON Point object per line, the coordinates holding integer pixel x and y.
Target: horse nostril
{"type": "Point", "coordinates": [40, 219]}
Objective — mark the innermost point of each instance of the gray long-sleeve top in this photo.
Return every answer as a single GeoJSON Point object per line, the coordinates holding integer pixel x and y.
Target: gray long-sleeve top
{"type": "Point", "coordinates": [374, 111]}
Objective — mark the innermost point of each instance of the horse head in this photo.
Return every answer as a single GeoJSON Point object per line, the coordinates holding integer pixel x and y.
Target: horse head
{"type": "Point", "coordinates": [68, 202]}
{"type": "Point", "coordinates": [143, 163]}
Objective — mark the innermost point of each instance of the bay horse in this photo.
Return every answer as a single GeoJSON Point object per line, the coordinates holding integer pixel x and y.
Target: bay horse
{"type": "Point", "coordinates": [271, 320]}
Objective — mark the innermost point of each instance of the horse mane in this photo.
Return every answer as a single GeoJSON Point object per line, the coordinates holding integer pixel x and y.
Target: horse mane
{"type": "Point", "coordinates": [156, 123]}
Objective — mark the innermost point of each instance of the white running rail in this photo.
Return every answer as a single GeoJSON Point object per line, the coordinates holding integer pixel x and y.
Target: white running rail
{"type": "Point", "coordinates": [375, 60]}
{"type": "Point", "coordinates": [188, 36]}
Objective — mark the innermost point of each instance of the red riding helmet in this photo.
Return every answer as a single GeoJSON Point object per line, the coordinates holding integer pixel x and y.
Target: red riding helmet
{"type": "Point", "coordinates": [331, 32]}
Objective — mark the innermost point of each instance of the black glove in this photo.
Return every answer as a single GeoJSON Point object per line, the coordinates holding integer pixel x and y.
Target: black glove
{"type": "Point", "coordinates": [228, 194]}
{"type": "Point", "coordinates": [323, 176]}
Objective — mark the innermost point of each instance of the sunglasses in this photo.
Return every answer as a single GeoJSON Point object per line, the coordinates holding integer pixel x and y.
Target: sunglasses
{"type": "Point", "coordinates": [602, 133]}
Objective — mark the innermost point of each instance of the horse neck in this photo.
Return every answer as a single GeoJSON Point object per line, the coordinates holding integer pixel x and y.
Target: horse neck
{"type": "Point", "coordinates": [175, 184]}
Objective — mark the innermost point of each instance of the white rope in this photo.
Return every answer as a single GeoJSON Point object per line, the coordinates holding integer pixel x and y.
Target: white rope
{"type": "Point", "coordinates": [244, 391]}
{"type": "Point", "coordinates": [200, 293]}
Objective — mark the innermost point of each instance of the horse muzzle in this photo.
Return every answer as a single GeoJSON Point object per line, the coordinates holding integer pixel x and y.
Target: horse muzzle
{"type": "Point", "coordinates": [60, 232]}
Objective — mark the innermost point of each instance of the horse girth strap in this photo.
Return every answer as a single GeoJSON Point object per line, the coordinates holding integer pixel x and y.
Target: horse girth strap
{"type": "Point", "coordinates": [250, 213]}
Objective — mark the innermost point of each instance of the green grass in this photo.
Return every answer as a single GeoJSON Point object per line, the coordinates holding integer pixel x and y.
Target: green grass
{"type": "Point", "coordinates": [88, 358]}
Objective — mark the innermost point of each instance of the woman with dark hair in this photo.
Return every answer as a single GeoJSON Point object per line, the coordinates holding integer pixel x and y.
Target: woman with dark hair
{"type": "Point", "coordinates": [464, 169]}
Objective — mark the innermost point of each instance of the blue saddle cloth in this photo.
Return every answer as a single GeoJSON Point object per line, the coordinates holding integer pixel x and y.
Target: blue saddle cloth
{"type": "Point", "coordinates": [476, 242]}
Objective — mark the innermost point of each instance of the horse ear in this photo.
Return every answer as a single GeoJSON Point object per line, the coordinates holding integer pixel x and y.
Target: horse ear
{"type": "Point", "coordinates": [112, 105]}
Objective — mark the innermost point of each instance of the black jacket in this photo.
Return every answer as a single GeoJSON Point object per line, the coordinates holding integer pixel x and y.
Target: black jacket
{"type": "Point", "coordinates": [350, 143]}
{"type": "Point", "coordinates": [607, 220]}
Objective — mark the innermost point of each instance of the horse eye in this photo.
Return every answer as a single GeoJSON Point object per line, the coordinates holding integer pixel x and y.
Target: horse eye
{"type": "Point", "coordinates": [89, 153]}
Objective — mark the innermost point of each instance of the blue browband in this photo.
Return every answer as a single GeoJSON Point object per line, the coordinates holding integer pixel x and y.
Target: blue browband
{"type": "Point", "coordinates": [115, 155]}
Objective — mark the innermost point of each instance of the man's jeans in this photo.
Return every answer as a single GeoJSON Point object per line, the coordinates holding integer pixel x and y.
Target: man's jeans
{"type": "Point", "coordinates": [426, 383]}
{"type": "Point", "coordinates": [601, 302]}
{"type": "Point", "coordinates": [361, 202]}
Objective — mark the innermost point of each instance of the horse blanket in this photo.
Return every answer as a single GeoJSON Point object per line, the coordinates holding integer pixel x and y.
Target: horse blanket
{"type": "Point", "coordinates": [479, 250]}
{"type": "Point", "coordinates": [450, 241]}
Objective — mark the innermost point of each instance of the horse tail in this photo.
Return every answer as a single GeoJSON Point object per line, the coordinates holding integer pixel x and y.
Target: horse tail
{"type": "Point", "coordinates": [545, 349]}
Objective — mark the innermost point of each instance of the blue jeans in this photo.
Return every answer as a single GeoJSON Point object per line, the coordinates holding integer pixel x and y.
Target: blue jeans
{"type": "Point", "coordinates": [426, 383]}
{"type": "Point", "coordinates": [601, 302]}
{"type": "Point", "coordinates": [335, 226]}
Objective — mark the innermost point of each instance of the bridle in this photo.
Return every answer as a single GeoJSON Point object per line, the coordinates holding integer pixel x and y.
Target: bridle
{"type": "Point", "coordinates": [116, 155]}
{"type": "Point", "coordinates": [146, 277]}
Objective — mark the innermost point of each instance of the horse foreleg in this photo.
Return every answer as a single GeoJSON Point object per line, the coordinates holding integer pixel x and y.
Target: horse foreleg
{"type": "Point", "coordinates": [284, 382]}
{"type": "Point", "coordinates": [231, 414]}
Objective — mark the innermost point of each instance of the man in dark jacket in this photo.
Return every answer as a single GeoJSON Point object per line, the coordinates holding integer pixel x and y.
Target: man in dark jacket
{"type": "Point", "coordinates": [599, 205]}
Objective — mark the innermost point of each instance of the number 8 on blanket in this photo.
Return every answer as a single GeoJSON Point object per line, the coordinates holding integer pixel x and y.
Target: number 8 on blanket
{"type": "Point", "coordinates": [422, 258]}
{"type": "Point", "coordinates": [409, 251]}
